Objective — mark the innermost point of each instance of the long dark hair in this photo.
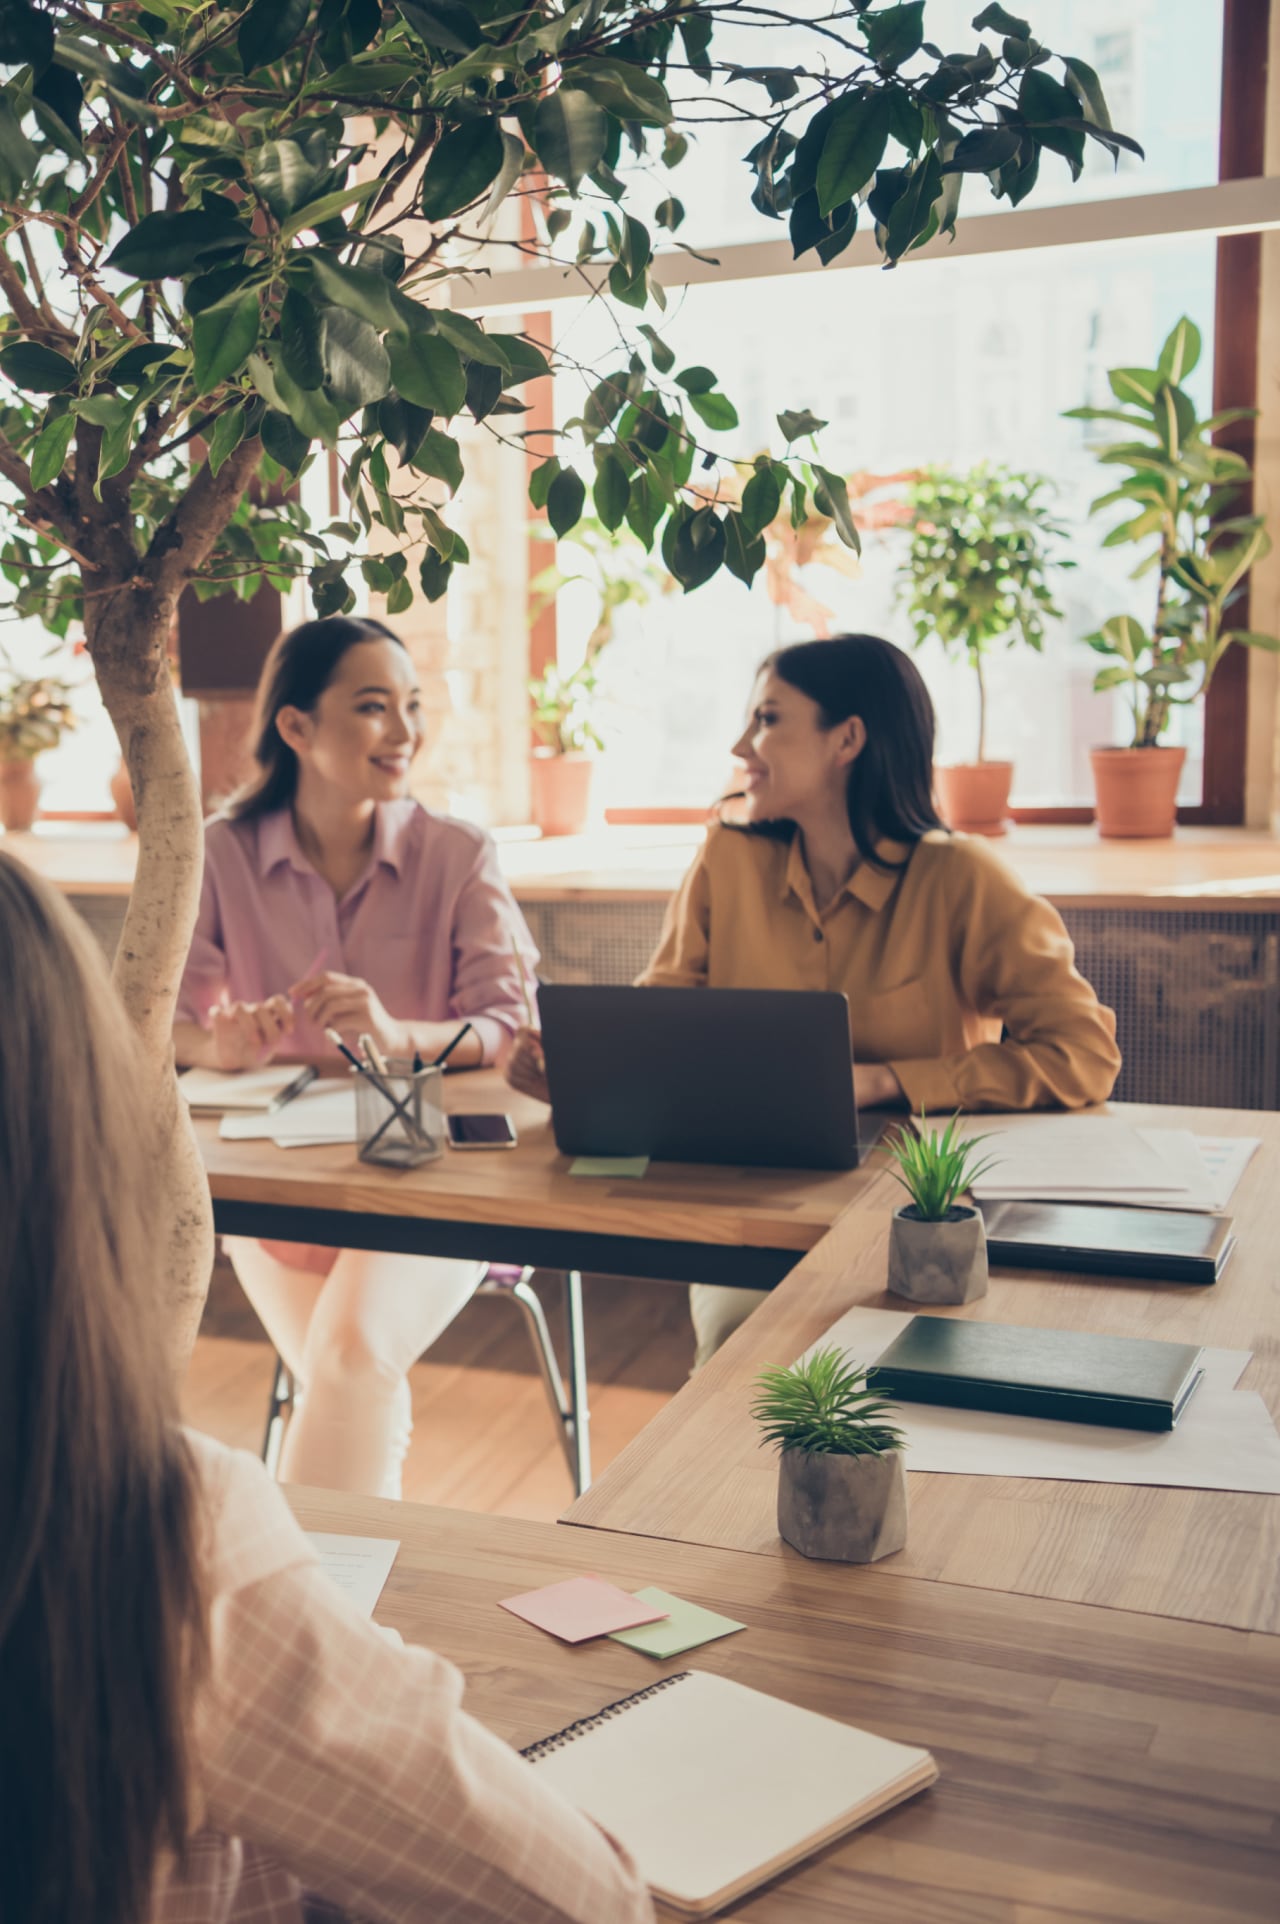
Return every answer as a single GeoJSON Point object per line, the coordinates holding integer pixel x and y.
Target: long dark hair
{"type": "Point", "coordinates": [102, 1612]}
{"type": "Point", "coordinates": [890, 791]}
{"type": "Point", "coordinates": [295, 674]}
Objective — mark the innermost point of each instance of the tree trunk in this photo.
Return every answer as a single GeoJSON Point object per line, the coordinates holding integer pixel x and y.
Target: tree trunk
{"type": "Point", "coordinates": [982, 705]}
{"type": "Point", "coordinates": [127, 631]}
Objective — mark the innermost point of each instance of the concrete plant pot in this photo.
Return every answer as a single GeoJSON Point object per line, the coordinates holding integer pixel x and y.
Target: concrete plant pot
{"type": "Point", "coordinates": [846, 1509]}
{"type": "Point", "coordinates": [938, 1262]}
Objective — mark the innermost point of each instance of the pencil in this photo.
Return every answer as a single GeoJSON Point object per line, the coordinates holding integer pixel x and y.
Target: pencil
{"type": "Point", "coordinates": [449, 1047]}
{"type": "Point", "coordinates": [524, 984]}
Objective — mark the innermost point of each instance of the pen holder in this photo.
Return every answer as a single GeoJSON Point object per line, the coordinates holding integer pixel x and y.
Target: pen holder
{"type": "Point", "coordinates": [401, 1123]}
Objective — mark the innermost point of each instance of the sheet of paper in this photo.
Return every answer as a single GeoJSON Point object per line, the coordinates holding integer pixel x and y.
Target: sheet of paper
{"type": "Point", "coordinates": [606, 1166]}
{"type": "Point", "coordinates": [580, 1608]}
{"type": "Point", "coordinates": [217, 1089]}
{"type": "Point", "coordinates": [1226, 1439]}
{"type": "Point", "coordinates": [1198, 1173]}
{"type": "Point", "coordinates": [685, 1626]}
{"type": "Point", "coordinates": [359, 1566]}
{"type": "Point", "coordinates": [326, 1112]}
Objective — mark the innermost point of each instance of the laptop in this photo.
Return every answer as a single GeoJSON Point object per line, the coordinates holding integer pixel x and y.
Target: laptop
{"type": "Point", "coordinates": [758, 1076]}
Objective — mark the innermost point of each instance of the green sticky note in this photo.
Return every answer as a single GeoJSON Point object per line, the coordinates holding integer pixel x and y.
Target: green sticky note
{"type": "Point", "coordinates": [684, 1627]}
{"type": "Point", "coordinates": [609, 1166]}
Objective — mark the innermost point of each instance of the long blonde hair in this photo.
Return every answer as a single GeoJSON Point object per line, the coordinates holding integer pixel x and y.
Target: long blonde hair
{"type": "Point", "coordinates": [102, 1622]}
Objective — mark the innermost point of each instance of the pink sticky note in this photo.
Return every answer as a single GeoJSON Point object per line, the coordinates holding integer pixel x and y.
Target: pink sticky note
{"type": "Point", "coordinates": [580, 1608]}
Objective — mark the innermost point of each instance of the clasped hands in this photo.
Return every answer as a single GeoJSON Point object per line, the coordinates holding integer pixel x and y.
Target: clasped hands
{"type": "Point", "coordinates": [247, 1034]}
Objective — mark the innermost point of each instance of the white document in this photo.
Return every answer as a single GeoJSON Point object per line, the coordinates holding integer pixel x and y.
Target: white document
{"type": "Point", "coordinates": [1099, 1159]}
{"type": "Point", "coordinates": [359, 1566]}
{"type": "Point", "coordinates": [1225, 1439]}
{"type": "Point", "coordinates": [326, 1112]}
{"type": "Point", "coordinates": [216, 1090]}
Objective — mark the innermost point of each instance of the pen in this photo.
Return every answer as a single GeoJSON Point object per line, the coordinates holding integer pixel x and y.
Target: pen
{"type": "Point", "coordinates": [449, 1047]}
{"type": "Point", "coordinates": [398, 1107]}
{"type": "Point", "coordinates": [301, 1081]}
{"type": "Point", "coordinates": [524, 984]}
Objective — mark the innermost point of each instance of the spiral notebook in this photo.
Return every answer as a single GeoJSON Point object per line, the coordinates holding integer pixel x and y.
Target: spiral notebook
{"type": "Point", "coordinates": [715, 1788]}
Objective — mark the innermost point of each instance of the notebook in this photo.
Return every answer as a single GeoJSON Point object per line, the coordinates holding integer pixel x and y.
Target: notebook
{"type": "Point", "coordinates": [214, 1091]}
{"type": "Point", "coordinates": [1124, 1382]}
{"type": "Point", "coordinates": [1167, 1245]}
{"type": "Point", "coordinates": [715, 1788]}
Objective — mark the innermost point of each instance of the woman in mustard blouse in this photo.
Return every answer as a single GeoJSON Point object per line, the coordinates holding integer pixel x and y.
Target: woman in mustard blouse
{"type": "Point", "coordinates": [838, 874]}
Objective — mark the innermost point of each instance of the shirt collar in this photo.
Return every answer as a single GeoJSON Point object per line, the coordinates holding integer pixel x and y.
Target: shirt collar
{"type": "Point", "coordinates": [278, 840]}
{"type": "Point", "coordinates": [868, 884]}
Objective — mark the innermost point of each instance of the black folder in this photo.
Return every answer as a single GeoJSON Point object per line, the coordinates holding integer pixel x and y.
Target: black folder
{"type": "Point", "coordinates": [1124, 1382]}
{"type": "Point", "coordinates": [1163, 1245]}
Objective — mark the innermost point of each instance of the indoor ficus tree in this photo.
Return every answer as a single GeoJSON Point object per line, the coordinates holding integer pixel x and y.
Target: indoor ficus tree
{"type": "Point", "coordinates": [226, 239]}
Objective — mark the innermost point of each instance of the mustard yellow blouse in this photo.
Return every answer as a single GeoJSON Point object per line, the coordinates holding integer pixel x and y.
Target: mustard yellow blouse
{"type": "Point", "coordinates": [938, 962]}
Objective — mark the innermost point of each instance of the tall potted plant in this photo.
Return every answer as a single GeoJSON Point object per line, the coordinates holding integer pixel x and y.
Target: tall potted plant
{"type": "Point", "coordinates": [842, 1487]}
{"type": "Point", "coordinates": [560, 767]}
{"type": "Point", "coordinates": [1182, 494]}
{"type": "Point", "coordinates": [976, 574]}
{"type": "Point", "coordinates": [34, 713]}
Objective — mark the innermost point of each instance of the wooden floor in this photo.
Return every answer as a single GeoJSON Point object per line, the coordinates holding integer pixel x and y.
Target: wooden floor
{"type": "Point", "coordinates": [483, 1436]}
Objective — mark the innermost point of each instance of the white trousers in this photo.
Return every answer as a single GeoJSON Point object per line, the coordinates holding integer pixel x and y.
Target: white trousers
{"type": "Point", "coordinates": [349, 1340]}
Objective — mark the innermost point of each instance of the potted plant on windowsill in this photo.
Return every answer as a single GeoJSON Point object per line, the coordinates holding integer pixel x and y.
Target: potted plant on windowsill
{"type": "Point", "coordinates": [1181, 492]}
{"type": "Point", "coordinates": [975, 574]}
{"type": "Point", "coordinates": [937, 1245]}
{"type": "Point", "coordinates": [842, 1488]}
{"type": "Point", "coordinates": [560, 768]}
{"type": "Point", "coordinates": [35, 712]}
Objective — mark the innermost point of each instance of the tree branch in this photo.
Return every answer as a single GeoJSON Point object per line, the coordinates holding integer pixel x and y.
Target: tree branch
{"type": "Point", "coordinates": [186, 535]}
{"type": "Point", "coordinates": [25, 310]}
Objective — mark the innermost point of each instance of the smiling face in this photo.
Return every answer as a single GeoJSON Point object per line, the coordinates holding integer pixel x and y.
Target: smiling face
{"type": "Point", "coordinates": [795, 768]}
{"type": "Point", "coordinates": [364, 731]}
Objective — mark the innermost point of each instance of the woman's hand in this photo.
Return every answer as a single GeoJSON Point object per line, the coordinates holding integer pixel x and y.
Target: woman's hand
{"type": "Point", "coordinates": [351, 1006]}
{"type": "Point", "coordinates": [243, 1035]}
{"type": "Point", "coordinates": [876, 1087]}
{"type": "Point", "coordinates": [524, 1065]}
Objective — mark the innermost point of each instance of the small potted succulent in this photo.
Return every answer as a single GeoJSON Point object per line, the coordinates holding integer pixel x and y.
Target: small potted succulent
{"type": "Point", "coordinates": [34, 714]}
{"type": "Point", "coordinates": [842, 1487]}
{"type": "Point", "coordinates": [937, 1245]}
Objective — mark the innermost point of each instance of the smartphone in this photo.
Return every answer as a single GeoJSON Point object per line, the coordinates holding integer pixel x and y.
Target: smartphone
{"type": "Point", "coordinates": [481, 1132]}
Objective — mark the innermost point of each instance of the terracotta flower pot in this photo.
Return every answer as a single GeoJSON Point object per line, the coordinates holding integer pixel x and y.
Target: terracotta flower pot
{"type": "Point", "coordinates": [122, 795]}
{"type": "Point", "coordinates": [848, 1509]}
{"type": "Point", "coordinates": [974, 796]}
{"type": "Point", "coordinates": [938, 1262]}
{"type": "Point", "coordinates": [1137, 790]}
{"type": "Point", "coordinates": [561, 791]}
{"type": "Point", "coordinates": [19, 793]}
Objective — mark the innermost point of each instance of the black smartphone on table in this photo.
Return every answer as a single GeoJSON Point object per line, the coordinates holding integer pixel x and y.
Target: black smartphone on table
{"type": "Point", "coordinates": [481, 1132]}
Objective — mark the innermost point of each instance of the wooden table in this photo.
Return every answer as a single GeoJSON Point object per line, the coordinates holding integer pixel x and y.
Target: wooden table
{"type": "Point", "coordinates": [1096, 1765]}
{"type": "Point", "coordinates": [697, 1473]}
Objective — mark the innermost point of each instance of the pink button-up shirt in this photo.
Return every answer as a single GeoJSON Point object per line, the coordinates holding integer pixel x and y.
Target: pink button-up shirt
{"type": "Point", "coordinates": [338, 1775]}
{"type": "Point", "coordinates": [429, 925]}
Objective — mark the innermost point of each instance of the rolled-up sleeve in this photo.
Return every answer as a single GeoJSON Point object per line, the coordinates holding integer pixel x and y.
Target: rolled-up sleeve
{"type": "Point", "coordinates": [488, 929]}
{"type": "Point", "coordinates": [1013, 960]}
{"type": "Point", "coordinates": [681, 959]}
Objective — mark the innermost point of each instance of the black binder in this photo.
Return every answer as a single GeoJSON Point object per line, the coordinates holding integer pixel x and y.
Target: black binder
{"type": "Point", "coordinates": [1092, 1239]}
{"type": "Point", "coordinates": [1123, 1382]}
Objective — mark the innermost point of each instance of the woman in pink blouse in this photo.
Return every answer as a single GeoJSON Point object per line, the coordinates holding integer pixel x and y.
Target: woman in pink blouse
{"type": "Point", "coordinates": [197, 1726]}
{"type": "Point", "coordinates": [332, 900]}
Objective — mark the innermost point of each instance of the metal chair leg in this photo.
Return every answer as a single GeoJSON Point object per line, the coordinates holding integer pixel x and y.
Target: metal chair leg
{"type": "Point", "coordinates": [569, 1412]}
{"type": "Point", "coordinates": [579, 1414]}
{"type": "Point", "coordinates": [280, 1401]}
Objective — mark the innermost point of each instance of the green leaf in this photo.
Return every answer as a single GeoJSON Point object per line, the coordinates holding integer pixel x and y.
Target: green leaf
{"type": "Point", "coordinates": [717, 410]}
{"type": "Point", "coordinates": [311, 411]}
{"type": "Point", "coordinates": [569, 134]}
{"type": "Point", "coordinates": [908, 222]}
{"type": "Point", "coordinates": [466, 161]}
{"type": "Point", "coordinates": [58, 99]}
{"type": "Point", "coordinates": [795, 422]}
{"type": "Point", "coordinates": [399, 596]}
{"type": "Point", "coordinates": [695, 31]}
{"type": "Point", "coordinates": [1180, 352]}
{"type": "Point", "coordinates": [285, 443]}
{"type": "Point", "coordinates": [566, 498]}
{"type": "Point", "coordinates": [669, 213]}
{"type": "Point", "coordinates": [49, 454]}
{"type": "Point", "coordinates": [285, 174]}
{"type": "Point", "coordinates": [317, 212]}
{"type": "Point", "coordinates": [300, 339]}
{"type": "Point", "coordinates": [434, 575]}
{"type": "Point", "coordinates": [443, 24]}
{"type": "Point", "coordinates": [427, 370]}
{"type": "Point", "coordinates": [540, 480]}
{"type": "Point", "coordinates": [744, 549]}
{"type": "Point", "coordinates": [893, 35]}
{"type": "Point", "coordinates": [223, 339]}
{"type": "Point", "coordinates": [471, 340]}
{"type": "Point", "coordinates": [612, 488]}
{"type": "Point", "coordinates": [837, 506]}
{"type": "Point", "coordinates": [1136, 385]}
{"type": "Point", "coordinates": [623, 89]}
{"type": "Point", "coordinates": [26, 37]}
{"type": "Point", "coordinates": [268, 29]}
{"type": "Point", "coordinates": [513, 159]}
{"type": "Point", "coordinates": [1113, 677]}
{"type": "Point", "coordinates": [438, 453]}
{"type": "Point", "coordinates": [761, 499]}
{"type": "Point", "coordinates": [660, 354]}
{"type": "Point", "coordinates": [371, 296]}
{"type": "Point", "coordinates": [356, 365]}
{"type": "Point", "coordinates": [1247, 637]}
{"type": "Point", "coordinates": [696, 380]}
{"type": "Point", "coordinates": [693, 545]}
{"type": "Point", "coordinates": [853, 148]}
{"type": "Point", "coordinates": [1086, 86]}
{"type": "Point", "coordinates": [228, 432]}
{"type": "Point", "coordinates": [18, 158]}
{"type": "Point", "coordinates": [167, 246]}
{"type": "Point", "coordinates": [1124, 636]}
{"type": "Point", "coordinates": [526, 362]}
{"type": "Point", "coordinates": [1049, 109]}
{"type": "Point", "coordinates": [38, 369]}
